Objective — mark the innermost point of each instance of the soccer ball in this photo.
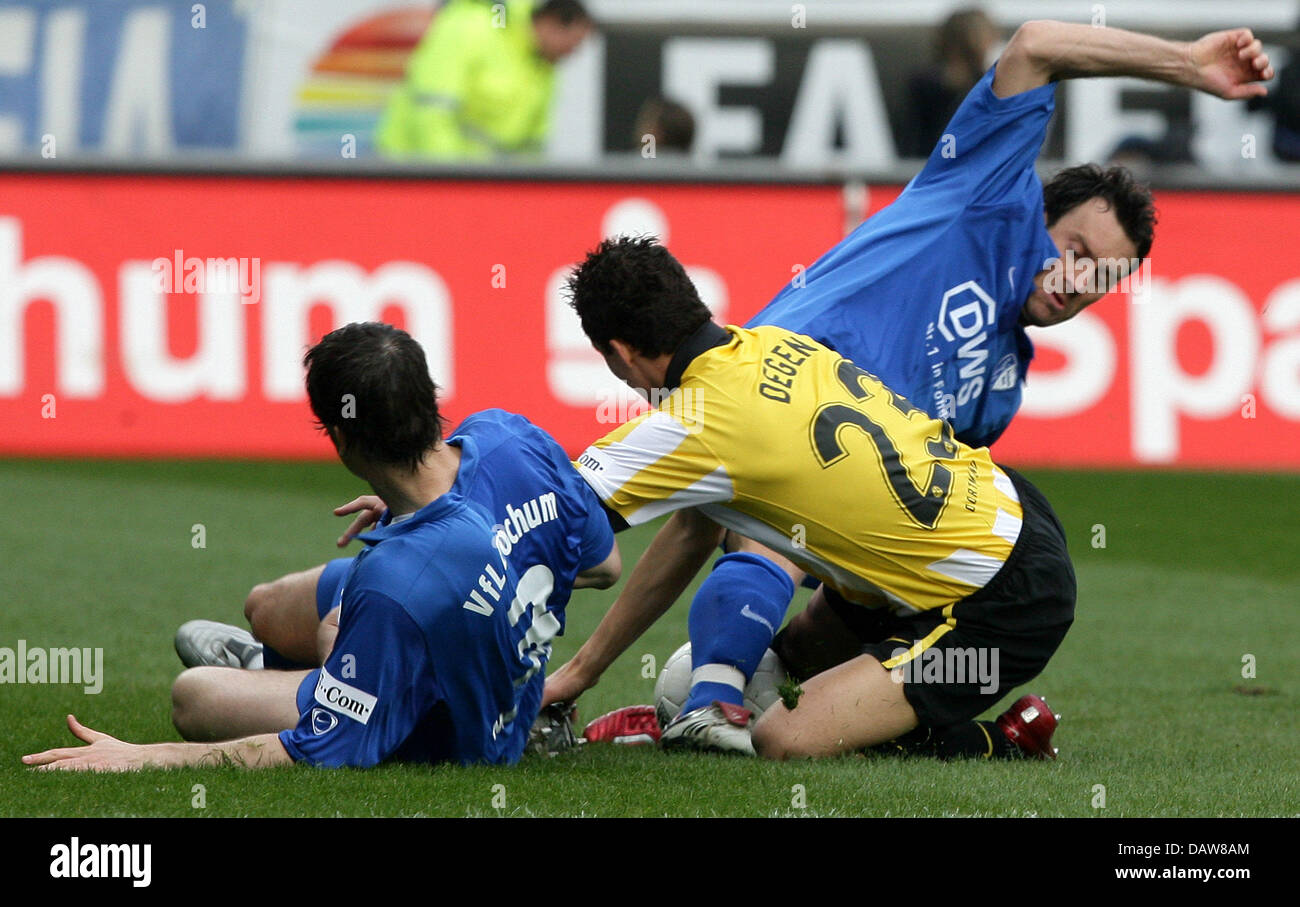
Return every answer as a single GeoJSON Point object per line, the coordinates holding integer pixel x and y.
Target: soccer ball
{"type": "Point", "coordinates": [674, 684]}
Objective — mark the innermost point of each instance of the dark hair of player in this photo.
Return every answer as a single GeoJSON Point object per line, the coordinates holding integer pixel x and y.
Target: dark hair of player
{"type": "Point", "coordinates": [1130, 200]}
{"type": "Point", "coordinates": [566, 12]}
{"type": "Point", "coordinates": [632, 289]}
{"type": "Point", "coordinates": [370, 383]}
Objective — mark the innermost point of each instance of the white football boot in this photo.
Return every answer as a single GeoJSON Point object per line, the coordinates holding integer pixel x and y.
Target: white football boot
{"type": "Point", "coordinates": [206, 642]}
{"type": "Point", "coordinates": [717, 728]}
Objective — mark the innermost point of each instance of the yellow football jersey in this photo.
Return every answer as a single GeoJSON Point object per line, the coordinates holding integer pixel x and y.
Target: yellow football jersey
{"type": "Point", "coordinates": [783, 440]}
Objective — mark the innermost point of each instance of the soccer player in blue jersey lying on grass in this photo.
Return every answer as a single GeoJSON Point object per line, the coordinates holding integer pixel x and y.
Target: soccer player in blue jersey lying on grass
{"type": "Point", "coordinates": [933, 295]}
{"type": "Point", "coordinates": [447, 615]}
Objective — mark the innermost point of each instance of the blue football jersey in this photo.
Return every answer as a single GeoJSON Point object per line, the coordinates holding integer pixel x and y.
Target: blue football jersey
{"type": "Point", "coordinates": [447, 616]}
{"type": "Point", "coordinates": [927, 294]}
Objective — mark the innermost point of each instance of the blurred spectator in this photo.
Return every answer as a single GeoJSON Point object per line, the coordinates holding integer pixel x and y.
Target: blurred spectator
{"type": "Point", "coordinates": [1283, 102]}
{"type": "Point", "coordinates": [963, 47]}
{"type": "Point", "coordinates": [1137, 155]}
{"type": "Point", "coordinates": [480, 81]}
{"type": "Point", "coordinates": [669, 124]}
{"type": "Point", "coordinates": [1140, 155]}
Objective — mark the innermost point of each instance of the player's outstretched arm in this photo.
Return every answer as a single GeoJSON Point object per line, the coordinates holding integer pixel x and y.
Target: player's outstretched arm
{"type": "Point", "coordinates": [1228, 64]}
{"type": "Point", "coordinates": [108, 754]}
{"type": "Point", "coordinates": [669, 564]}
{"type": "Point", "coordinates": [604, 574]}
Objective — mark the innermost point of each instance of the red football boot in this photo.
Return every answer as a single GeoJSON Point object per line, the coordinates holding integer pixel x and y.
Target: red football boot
{"type": "Point", "coordinates": [632, 725]}
{"type": "Point", "coordinates": [1029, 724]}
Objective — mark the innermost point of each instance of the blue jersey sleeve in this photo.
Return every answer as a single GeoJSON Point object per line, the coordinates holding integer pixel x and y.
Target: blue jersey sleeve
{"type": "Point", "coordinates": [597, 535]}
{"type": "Point", "coordinates": [372, 692]}
{"type": "Point", "coordinates": [987, 153]}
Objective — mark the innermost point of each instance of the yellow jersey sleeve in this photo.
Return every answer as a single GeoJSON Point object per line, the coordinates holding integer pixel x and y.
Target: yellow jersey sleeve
{"type": "Point", "coordinates": [654, 464]}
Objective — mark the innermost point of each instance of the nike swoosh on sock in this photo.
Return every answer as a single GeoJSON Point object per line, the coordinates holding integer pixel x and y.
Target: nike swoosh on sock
{"type": "Point", "coordinates": [745, 612]}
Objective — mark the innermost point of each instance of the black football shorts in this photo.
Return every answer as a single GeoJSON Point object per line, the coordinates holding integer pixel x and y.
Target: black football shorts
{"type": "Point", "coordinates": [955, 665]}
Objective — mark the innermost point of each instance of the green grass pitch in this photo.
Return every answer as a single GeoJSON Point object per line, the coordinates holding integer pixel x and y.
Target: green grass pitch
{"type": "Point", "coordinates": [1198, 581]}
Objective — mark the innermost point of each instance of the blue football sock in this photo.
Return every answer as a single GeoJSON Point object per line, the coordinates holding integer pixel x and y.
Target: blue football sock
{"type": "Point", "coordinates": [274, 661]}
{"type": "Point", "coordinates": [733, 618]}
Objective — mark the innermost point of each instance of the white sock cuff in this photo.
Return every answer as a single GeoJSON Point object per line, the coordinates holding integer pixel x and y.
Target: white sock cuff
{"type": "Point", "coordinates": [732, 677]}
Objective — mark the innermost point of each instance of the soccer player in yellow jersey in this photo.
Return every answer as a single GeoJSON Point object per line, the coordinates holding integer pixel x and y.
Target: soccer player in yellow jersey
{"type": "Point", "coordinates": [945, 579]}
{"type": "Point", "coordinates": [877, 296]}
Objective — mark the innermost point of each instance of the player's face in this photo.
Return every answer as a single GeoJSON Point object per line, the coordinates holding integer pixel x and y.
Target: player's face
{"type": "Point", "coordinates": [614, 362]}
{"type": "Point", "coordinates": [645, 375]}
{"type": "Point", "coordinates": [623, 365]}
{"type": "Point", "coordinates": [1095, 255]}
{"type": "Point", "coordinates": [556, 41]}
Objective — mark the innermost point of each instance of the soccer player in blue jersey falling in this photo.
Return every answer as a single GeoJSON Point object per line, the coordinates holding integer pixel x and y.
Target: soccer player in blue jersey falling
{"type": "Point", "coordinates": [448, 613]}
{"type": "Point", "coordinates": [933, 294]}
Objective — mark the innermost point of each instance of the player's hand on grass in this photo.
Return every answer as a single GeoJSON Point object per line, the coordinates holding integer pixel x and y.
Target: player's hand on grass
{"type": "Point", "coordinates": [565, 685]}
{"type": "Point", "coordinates": [1230, 64]}
{"type": "Point", "coordinates": [105, 753]}
{"type": "Point", "coordinates": [368, 508]}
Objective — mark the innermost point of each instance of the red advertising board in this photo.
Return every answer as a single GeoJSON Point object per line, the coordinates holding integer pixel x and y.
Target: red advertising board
{"type": "Point", "coordinates": [167, 315]}
{"type": "Point", "coordinates": [95, 359]}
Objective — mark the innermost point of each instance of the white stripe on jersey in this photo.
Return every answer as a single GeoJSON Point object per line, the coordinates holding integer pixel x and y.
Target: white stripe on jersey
{"type": "Point", "coordinates": [1006, 526]}
{"type": "Point", "coordinates": [1002, 482]}
{"type": "Point", "coordinates": [657, 436]}
{"type": "Point", "coordinates": [966, 566]}
{"type": "Point", "coordinates": [716, 486]}
{"type": "Point", "coordinates": [607, 469]}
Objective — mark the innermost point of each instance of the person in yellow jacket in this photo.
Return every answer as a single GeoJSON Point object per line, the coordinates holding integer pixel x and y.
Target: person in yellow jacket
{"type": "Point", "coordinates": [480, 81]}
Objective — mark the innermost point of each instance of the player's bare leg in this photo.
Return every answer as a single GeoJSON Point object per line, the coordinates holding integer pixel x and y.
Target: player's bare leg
{"type": "Point", "coordinates": [282, 614]}
{"type": "Point", "coordinates": [327, 631]}
{"type": "Point", "coordinates": [848, 708]}
{"type": "Point", "coordinates": [210, 703]}
{"type": "Point", "coordinates": [734, 543]}
{"type": "Point", "coordinates": [816, 640]}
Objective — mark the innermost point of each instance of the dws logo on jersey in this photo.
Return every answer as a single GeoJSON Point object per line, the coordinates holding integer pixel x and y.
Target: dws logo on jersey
{"type": "Point", "coordinates": [343, 698]}
{"type": "Point", "coordinates": [965, 314]}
